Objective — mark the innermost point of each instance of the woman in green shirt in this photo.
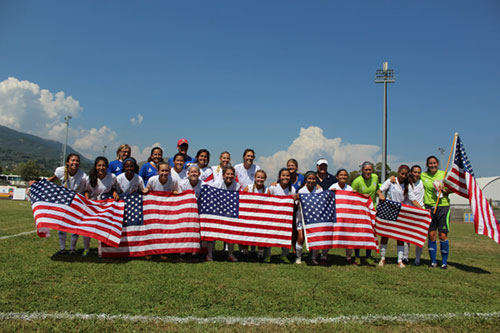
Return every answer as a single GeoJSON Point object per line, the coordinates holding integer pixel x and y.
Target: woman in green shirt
{"type": "Point", "coordinates": [433, 187]}
{"type": "Point", "coordinates": [366, 184]}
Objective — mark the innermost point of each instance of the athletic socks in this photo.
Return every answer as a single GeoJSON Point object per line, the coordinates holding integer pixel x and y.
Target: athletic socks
{"type": "Point", "coordinates": [383, 250]}
{"type": "Point", "coordinates": [406, 250]}
{"type": "Point", "coordinates": [298, 249]}
{"type": "Point", "coordinates": [356, 253]}
{"type": "Point", "coordinates": [284, 251]}
{"type": "Point", "coordinates": [368, 253]}
{"type": "Point", "coordinates": [324, 253]}
{"type": "Point", "coordinates": [62, 240]}
{"type": "Point", "coordinates": [72, 243]}
{"type": "Point", "coordinates": [418, 254]}
{"type": "Point", "coordinates": [400, 253]}
{"type": "Point", "coordinates": [432, 250]}
{"type": "Point", "coordinates": [86, 243]}
{"type": "Point", "coordinates": [445, 249]}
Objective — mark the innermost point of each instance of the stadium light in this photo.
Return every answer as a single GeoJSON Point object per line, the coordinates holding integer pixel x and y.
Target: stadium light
{"type": "Point", "coordinates": [384, 75]}
{"type": "Point", "coordinates": [66, 120]}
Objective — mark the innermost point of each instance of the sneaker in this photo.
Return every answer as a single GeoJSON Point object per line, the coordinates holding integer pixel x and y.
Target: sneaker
{"type": "Point", "coordinates": [348, 261]}
{"type": "Point", "coordinates": [285, 260]}
{"type": "Point", "coordinates": [416, 263]}
{"type": "Point", "coordinates": [323, 261]}
{"type": "Point", "coordinates": [381, 263]}
{"type": "Point", "coordinates": [357, 261]}
{"type": "Point", "coordinates": [267, 259]}
{"type": "Point", "coordinates": [314, 261]}
{"type": "Point", "coordinates": [232, 258]}
{"type": "Point", "coordinates": [369, 261]}
{"type": "Point", "coordinates": [163, 257]}
{"type": "Point", "coordinates": [62, 252]}
{"type": "Point", "coordinates": [72, 252]}
{"type": "Point", "coordinates": [148, 257]}
{"type": "Point", "coordinates": [405, 261]}
{"type": "Point", "coordinates": [434, 265]}
{"type": "Point", "coordinates": [444, 266]}
{"type": "Point", "coordinates": [85, 253]}
{"type": "Point", "coordinates": [298, 261]}
{"type": "Point", "coordinates": [209, 258]}
{"type": "Point", "coordinates": [401, 264]}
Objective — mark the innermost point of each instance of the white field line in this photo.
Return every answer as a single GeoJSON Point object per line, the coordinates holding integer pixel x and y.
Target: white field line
{"type": "Point", "coordinates": [416, 317]}
{"type": "Point", "coordinates": [21, 234]}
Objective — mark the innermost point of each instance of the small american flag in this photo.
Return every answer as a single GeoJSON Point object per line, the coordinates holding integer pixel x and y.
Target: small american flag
{"type": "Point", "coordinates": [402, 222]}
{"type": "Point", "coordinates": [157, 223]}
{"type": "Point", "coordinates": [461, 180]}
{"type": "Point", "coordinates": [56, 207]}
{"type": "Point", "coordinates": [339, 219]}
{"type": "Point", "coordinates": [245, 218]}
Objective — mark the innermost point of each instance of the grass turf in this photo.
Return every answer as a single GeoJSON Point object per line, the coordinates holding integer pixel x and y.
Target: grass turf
{"type": "Point", "coordinates": [34, 279]}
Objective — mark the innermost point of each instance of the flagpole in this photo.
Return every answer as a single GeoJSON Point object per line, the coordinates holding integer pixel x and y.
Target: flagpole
{"type": "Point", "coordinates": [304, 226]}
{"type": "Point", "coordinates": [446, 170]}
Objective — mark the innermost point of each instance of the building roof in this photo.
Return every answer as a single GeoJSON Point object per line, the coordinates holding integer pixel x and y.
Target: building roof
{"type": "Point", "coordinates": [490, 187]}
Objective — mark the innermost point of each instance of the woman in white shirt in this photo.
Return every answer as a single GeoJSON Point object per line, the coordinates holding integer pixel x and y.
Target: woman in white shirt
{"type": "Point", "coordinates": [416, 198]}
{"type": "Point", "coordinates": [129, 181]}
{"type": "Point", "coordinates": [206, 172]}
{"type": "Point", "coordinates": [163, 181]}
{"type": "Point", "coordinates": [72, 177]}
{"type": "Point", "coordinates": [283, 187]}
{"type": "Point", "coordinates": [398, 192]}
{"type": "Point", "coordinates": [245, 172]}
{"type": "Point", "coordinates": [100, 185]}
{"type": "Point", "coordinates": [178, 172]}
{"type": "Point", "coordinates": [192, 182]}
{"type": "Point", "coordinates": [224, 162]}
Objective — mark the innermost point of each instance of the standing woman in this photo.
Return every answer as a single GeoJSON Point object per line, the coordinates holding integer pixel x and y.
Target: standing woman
{"type": "Point", "coordinates": [310, 187]}
{"type": "Point", "coordinates": [416, 198]}
{"type": "Point", "coordinates": [99, 184]}
{"type": "Point", "coordinates": [129, 181]}
{"type": "Point", "coordinates": [433, 187]}
{"type": "Point", "coordinates": [398, 192]}
{"type": "Point", "coordinates": [245, 172]}
{"type": "Point", "coordinates": [224, 162]}
{"type": "Point", "coordinates": [122, 153]}
{"type": "Point", "coordinates": [178, 172]}
{"type": "Point", "coordinates": [72, 177]}
{"type": "Point", "coordinates": [283, 187]}
{"type": "Point", "coordinates": [341, 184]}
{"type": "Point", "coordinates": [296, 178]}
{"type": "Point", "coordinates": [150, 168]}
{"type": "Point", "coordinates": [366, 184]}
{"type": "Point", "coordinates": [206, 172]}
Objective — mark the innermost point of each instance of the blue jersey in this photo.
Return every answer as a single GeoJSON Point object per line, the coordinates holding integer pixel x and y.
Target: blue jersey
{"type": "Point", "coordinates": [147, 171]}
{"type": "Point", "coordinates": [298, 182]}
{"type": "Point", "coordinates": [189, 160]}
{"type": "Point", "coordinates": [115, 167]}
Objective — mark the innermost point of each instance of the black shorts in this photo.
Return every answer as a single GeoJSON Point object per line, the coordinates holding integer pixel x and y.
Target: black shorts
{"type": "Point", "coordinates": [440, 220]}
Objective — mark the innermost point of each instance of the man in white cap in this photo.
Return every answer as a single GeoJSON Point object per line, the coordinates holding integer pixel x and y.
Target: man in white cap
{"type": "Point", "coordinates": [182, 147]}
{"type": "Point", "coordinates": [323, 178]}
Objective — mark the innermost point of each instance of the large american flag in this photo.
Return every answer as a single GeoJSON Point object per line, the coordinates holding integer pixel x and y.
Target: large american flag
{"type": "Point", "coordinates": [461, 180]}
{"type": "Point", "coordinates": [56, 207]}
{"type": "Point", "coordinates": [339, 219]}
{"type": "Point", "coordinates": [245, 218]}
{"type": "Point", "coordinates": [402, 222]}
{"type": "Point", "coordinates": [157, 223]}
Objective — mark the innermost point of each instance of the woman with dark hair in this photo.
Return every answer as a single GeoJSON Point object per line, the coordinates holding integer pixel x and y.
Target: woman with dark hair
{"type": "Point", "coordinates": [396, 191]}
{"type": "Point", "coordinates": [72, 177]}
{"type": "Point", "coordinates": [296, 178]}
{"type": "Point", "coordinates": [150, 168]}
{"type": "Point", "coordinates": [202, 160]}
{"type": "Point", "coordinates": [245, 172]}
{"type": "Point", "coordinates": [129, 181]}
{"type": "Point", "coordinates": [123, 152]}
{"type": "Point", "coordinates": [434, 189]}
{"type": "Point", "coordinates": [415, 198]}
{"type": "Point", "coordinates": [177, 172]}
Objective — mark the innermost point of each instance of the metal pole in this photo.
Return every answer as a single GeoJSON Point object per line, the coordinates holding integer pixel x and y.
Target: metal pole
{"type": "Point", "coordinates": [66, 119]}
{"type": "Point", "coordinates": [384, 139]}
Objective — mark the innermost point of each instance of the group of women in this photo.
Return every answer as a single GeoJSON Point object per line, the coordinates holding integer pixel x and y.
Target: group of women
{"type": "Point", "coordinates": [122, 176]}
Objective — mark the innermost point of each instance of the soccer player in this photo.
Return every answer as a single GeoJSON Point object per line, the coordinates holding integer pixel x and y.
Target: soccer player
{"type": "Point", "coordinates": [296, 178]}
{"type": "Point", "coordinates": [150, 168]}
{"type": "Point", "coordinates": [245, 172]}
{"type": "Point", "coordinates": [416, 198]}
{"type": "Point", "coordinates": [192, 182]}
{"type": "Point", "coordinates": [178, 172]}
{"type": "Point", "coordinates": [366, 184]}
{"type": "Point", "coordinates": [434, 188]}
{"type": "Point", "coordinates": [129, 181]}
{"type": "Point", "coordinates": [323, 178]}
{"type": "Point", "coordinates": [310, 187]}
{"type": "Point", "coordinates": [206, 172]}
{"type": "Point", "coordinates": [182, 148]}
{"type": "Point", "coordinates": [162, 181]}
{"type": "Point", "coordinates": [122, 153]}
{"type": "Point", "coordinates": [224, 162]}
{"type": "Point", "coordinates": [72, 177]}
{"type": "Point", "coordinates": [396, 191]}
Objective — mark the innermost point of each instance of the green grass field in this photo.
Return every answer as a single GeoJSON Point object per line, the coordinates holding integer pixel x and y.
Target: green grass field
{"type": "Point", "coordinates": [34, 279]}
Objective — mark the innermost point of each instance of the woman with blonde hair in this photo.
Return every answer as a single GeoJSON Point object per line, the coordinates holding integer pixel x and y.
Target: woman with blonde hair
{"type": "Point", "coordinates": [122, 153]}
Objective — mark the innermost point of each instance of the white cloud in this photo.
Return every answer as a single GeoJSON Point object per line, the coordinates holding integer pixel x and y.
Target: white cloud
{"type": "Point", "coordinates": [137, 120]}
{"type": "Point", "coordinates": [142, 155]}
{"type": "Point", "coordinates": [311, 145]}
{"type": "Point", "coordinates": [26, 107]}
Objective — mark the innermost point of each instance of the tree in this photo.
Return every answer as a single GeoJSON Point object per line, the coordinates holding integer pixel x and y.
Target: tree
{"type": "Point", "coordinates": [388, 171]}
{"type": "Point", "coordinates": [28, 170]}
{"type": "Point", "coordinates": [353, 175]}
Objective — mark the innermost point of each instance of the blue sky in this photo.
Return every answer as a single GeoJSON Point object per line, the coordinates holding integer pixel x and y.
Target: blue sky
{"type": "Point", "coordinates": [228, 75]}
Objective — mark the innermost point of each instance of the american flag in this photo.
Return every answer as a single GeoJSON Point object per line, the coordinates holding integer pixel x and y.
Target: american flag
{"type": "Point", "coordinates": [339, 219]}
{"type": "Point", "coordinates": [402, 222]}
{"type": "Point", "coordinates": [56, 207]}
{"type": "Point", "coordinates": [461, 180]}
{"type": "Point", "coordinates": [158, 223]}
{"type": "Point", "coordinates": [245, 218]}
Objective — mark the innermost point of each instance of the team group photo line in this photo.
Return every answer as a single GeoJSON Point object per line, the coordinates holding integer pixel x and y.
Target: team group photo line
{"type": "Point", "coordinates": [183, 206]}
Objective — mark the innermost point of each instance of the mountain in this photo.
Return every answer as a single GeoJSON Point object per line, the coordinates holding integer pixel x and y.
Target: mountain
{"type": "Point", "coordinates": [17, 147]}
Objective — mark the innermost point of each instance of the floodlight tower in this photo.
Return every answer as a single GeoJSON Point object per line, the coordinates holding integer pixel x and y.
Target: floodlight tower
{"type": "Point", "coordinates": [66, 120]}
{"type": "Point", "coordinates": [384, 75]}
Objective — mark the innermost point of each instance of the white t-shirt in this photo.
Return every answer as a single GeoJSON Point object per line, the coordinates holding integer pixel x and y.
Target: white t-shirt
{"type": "Point", "coordinates": [178, 177]}
{"type": "Point", "coordinates": [103, 186]}
{"type": "Point", "coordinates": [126, 186]}
{"type": "Point", "coordinates": [416, 192]}
{"type": "Point", "coordinates": [395, 191]}
{"type": "Point", "coordinates": [251, 188]}
{"type": "Point", "coordinates": [278, 190]}
{"type": "Point", "coordinates": [336, 186]}
{"type": "Point", "coordinates": [154, 184]}
{"type": "Point", "coordinates": [245, 176]}
{"type": "Point", "coordinates": [185, 185]}
{"type": "Point", "coordinates": [77, 182]}
{"type": "Point", "coordinates": [205, 173]}
{"type": "Point", "coordinates": [222, 185]}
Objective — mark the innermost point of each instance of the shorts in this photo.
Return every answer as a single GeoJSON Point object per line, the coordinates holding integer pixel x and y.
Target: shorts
{"type": "Point", "coordinates": [440, 220]}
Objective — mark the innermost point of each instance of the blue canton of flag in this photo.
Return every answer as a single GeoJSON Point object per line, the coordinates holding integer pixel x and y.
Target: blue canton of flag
{"type": "Point", "coordinates": [318, 207]}
{"type": "Point", "coordinates": [388, 210]}
{"type": "Point", "coordinates": [49, 192]}
{"type": "Point", "coordinates": [461, 158]}
{"type": "Point", "coordinates": [133, 210]}
{"type": "Point", "coordinates": [218, 202]}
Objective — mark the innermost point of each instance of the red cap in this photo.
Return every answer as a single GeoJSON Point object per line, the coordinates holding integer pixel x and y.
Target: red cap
{"type": "Point", "coordinates": [181, 141]}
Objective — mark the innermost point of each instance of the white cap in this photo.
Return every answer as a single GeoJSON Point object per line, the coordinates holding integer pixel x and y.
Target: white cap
{"type": "Point", "coordinates": [322, 161]}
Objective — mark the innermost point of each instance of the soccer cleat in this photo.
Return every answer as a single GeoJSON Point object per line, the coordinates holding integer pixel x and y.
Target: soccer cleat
{"type": "Point", "coordinates": [148, 257]}
{"type": "Point", "coordinates": [72, 252]}
{"type": "Point", "coordinates": [163, 257]}
{"type": "Point", "coordinates": [416, 263]}
{"type": "Point", "coordinates": [267, 259]}
{"type": "Point", "coordinates": [232, 258]}
{"type": "Point", "coordinates": [85, 253]}
{"type": "Point", "coordinates": [405, 261]}
{"type": "Point", "coordinates": [444, 266]}
{"type": "Point", "coordinates": [61, 252]}
{"type": "Point", "coordinates": [298, 261]}
{"type": "Point", "coordinates": [357, 261]}
{"type": "Point", "coordinates": [401, 264]}
{"type": "Point", "coordinates": [348, 261]}
{"type": "Point", "coordinates": [433, 265]}
{"type": "Point", "coordinates": [381, 263]}
{"type": "Point", "coordinates": [314, 261]}
{"type": "Point", "coordinates": [323, 261]}
{"type": "Point", "coordinates": [285, 260]}
{"type": "Point", "coordinates": [369, 261]}
{"type": "Point", "coordinates": [209, 258]}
